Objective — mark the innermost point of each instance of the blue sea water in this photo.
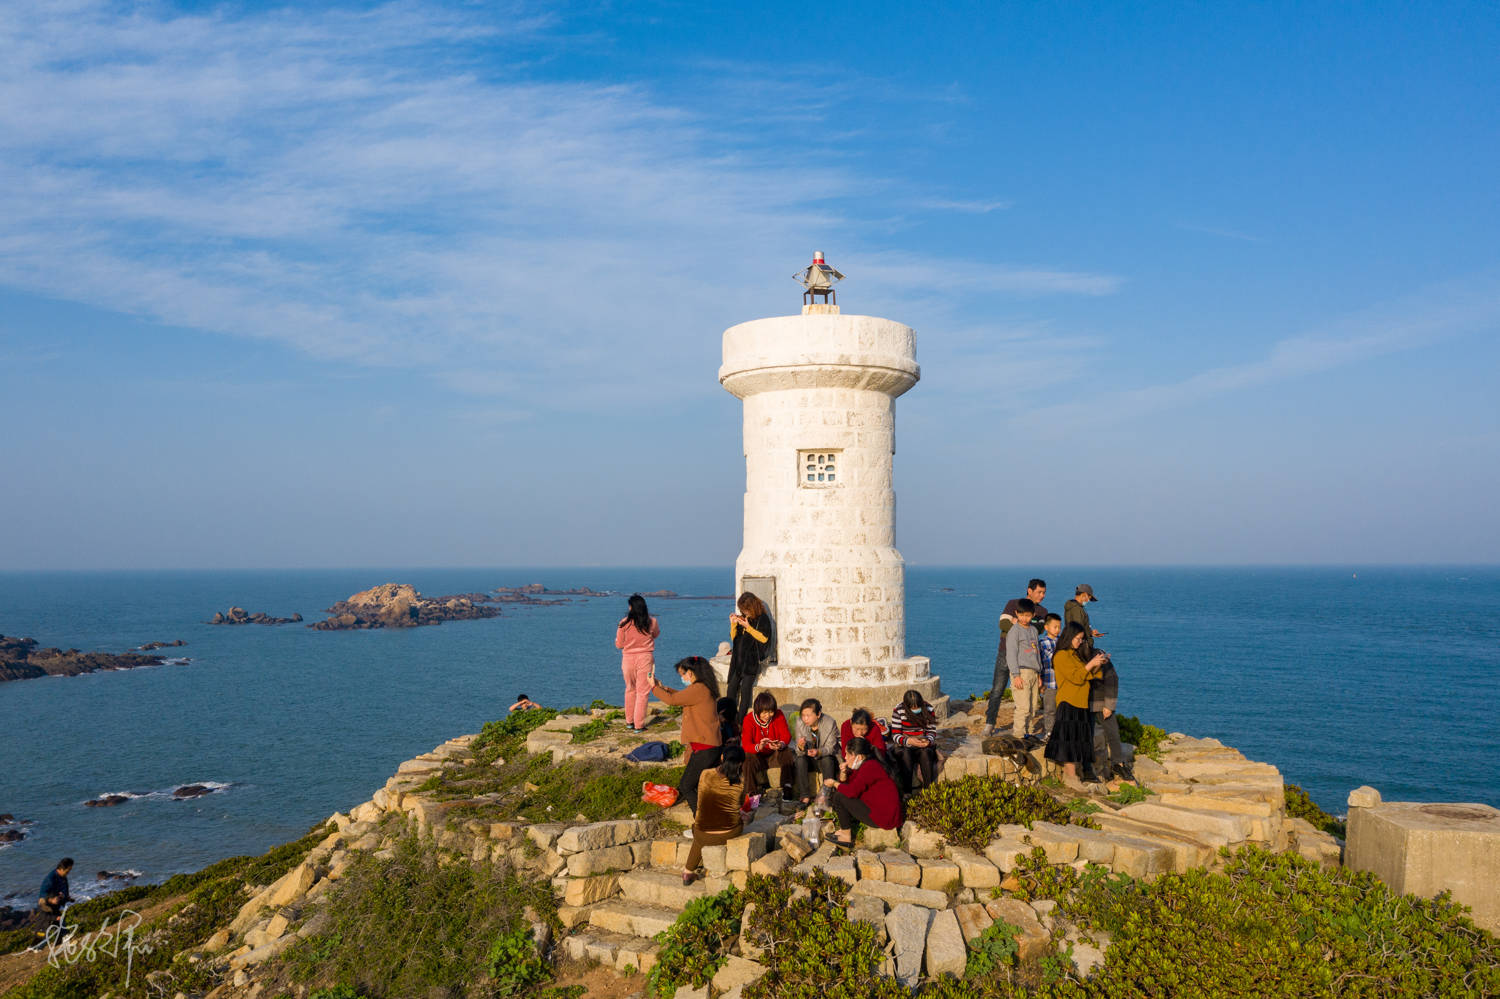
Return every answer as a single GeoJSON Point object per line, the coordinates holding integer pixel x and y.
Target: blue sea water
{"type": "Point", "coordinates": [1340, 677]}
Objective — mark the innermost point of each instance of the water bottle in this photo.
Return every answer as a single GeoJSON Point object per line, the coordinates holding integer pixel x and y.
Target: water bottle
{"type": "Point", "coordinates": [810, 829]}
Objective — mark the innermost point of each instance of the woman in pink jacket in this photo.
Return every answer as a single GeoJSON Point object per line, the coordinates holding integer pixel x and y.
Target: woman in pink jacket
{"type": "Point", "coordinates": [636, 638]}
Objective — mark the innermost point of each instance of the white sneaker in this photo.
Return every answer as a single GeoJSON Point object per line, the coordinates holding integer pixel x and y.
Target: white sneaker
{"type": "Point", "coordinates": [687, 833]}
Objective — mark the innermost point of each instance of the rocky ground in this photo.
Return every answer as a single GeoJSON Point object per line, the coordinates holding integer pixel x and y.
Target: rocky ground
{"type": "Point", "coordinates": [21, 659]}
{"type": "Point", "coordinates": [618, 883]}
{"type": "Point", "coordinates": [238, 615]}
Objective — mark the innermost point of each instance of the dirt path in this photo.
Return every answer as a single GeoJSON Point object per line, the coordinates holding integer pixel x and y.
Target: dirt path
{"type": "Point", "coordinates": [18, 969]}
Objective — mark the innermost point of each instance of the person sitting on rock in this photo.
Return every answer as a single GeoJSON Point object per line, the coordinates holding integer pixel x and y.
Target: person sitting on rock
{"type": "Point", "coordinates": [863, 725]}
{"type": "Point", "coordinates": [864, 792]}
{"type": "Point", "coordinates": [524, 703]}
{"type": "Point", "coordinates": [718, 817]}
{"type": "Point", "coordinates": [700, 721]}
{"type": "Point", "coordinates": [766, 740]}
{"type": "Point", "coordinates": [54, 897]}
{"type": "Point", "coordinates": [914, 731]}
{"type": "Point", "coordinates": [817, 746]}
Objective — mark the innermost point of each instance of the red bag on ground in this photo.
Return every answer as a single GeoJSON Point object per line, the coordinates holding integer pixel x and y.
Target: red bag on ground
{"type": "Point", "coordinates": [658, 794]}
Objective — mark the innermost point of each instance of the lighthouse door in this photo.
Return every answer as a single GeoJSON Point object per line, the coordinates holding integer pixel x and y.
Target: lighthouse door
{"type": "Point", "coordinates": [764, 587]}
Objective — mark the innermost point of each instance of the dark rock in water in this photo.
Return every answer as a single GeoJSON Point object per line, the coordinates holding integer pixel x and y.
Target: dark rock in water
{"type": "Point", "coordinates": [11, 835]}
{"type": "Point", "coordinates": [238, 615]}
{"type": "Point", "coordinates": [152, 646]}
{"type": "Point", "coordinates": [7, 819]}
{"type": "Point", "coordinates": [116, 876]}
{"type": "Point", "coordinates": [107, 801]}
{"type": "Point", "coordinates": [21, 659]}
{"type": "Point", "coordinates": [399, 605]}
{"type": "Point", "coordinates": [192, 791]}
{"type": "Point", "coordinates": [14, 919]}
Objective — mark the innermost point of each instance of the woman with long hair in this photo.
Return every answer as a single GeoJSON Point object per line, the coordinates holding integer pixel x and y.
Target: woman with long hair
{"type": "Point", "coordinates": [1072, 738]}
{"type": "Point", "coordinates": [718, 818]}
{"type": "Point", "coordinates": [914, 731]}
{"type": "Point", "coordinates": [700, 721]}
{"type": "Point", "coordinates": [864, 792]}
{"type": "Point", "coordinates": [635, 637]}
{"type": "Point", "coordinates": [750, 637]}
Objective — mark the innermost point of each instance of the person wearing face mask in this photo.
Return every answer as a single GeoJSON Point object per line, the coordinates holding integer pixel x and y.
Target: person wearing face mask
{"type": "Point", "coordinates": [766, 740]}
{"type": "Point", "coordinates": [863, 793]}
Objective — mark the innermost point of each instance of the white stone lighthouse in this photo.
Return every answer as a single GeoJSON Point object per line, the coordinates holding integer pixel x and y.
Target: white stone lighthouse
{"type": "Point", "coordinates": [819, 393]}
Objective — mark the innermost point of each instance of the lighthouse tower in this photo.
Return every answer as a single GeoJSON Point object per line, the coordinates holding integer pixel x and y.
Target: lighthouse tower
{"type": "Point", "coordinates": [819, 392]}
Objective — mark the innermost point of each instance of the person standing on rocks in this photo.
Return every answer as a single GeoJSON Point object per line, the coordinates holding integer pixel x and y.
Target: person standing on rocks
{"type": "Point", "coordinates": [1072, 740]}
{"type": "Point", "coordinates": [750, 635]}
{"type": "Point", "coordinates": [636, 639]}
{"type": "Point", "coordinates": [700, 721]}
{"type": "Point", "coordinates": [1104, 693]}
{"type": "Point", "coordinates": [1036, 589]}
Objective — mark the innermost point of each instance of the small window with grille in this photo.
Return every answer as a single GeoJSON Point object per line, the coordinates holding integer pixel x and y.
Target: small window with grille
{"type": "Point", "coordinates": [819, 468]}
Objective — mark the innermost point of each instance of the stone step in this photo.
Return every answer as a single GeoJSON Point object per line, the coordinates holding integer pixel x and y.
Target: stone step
{"type": "Point", "coordinates": [1199, 823]}
{"type": "Point", "coordinates": [632, 918]}
{"type": "Point", "coordinates": [659, 887]}
{"type": "Point", "coordinates": [1187, 850]}
{"type": "Point", "coordinates": [617, 950]}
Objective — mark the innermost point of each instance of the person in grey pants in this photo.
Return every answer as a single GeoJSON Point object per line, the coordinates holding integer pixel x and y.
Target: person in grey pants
{"type": "Point", "coordinates": [1104, 697]}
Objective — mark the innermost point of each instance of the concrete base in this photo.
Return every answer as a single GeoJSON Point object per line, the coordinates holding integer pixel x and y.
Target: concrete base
{"type": "Point", "coordinates": [1422, 848]}
{"type": "Point", "coordinates": [791, 686]}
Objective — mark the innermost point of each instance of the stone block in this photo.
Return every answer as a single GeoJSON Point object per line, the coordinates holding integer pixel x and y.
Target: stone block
{"type": "Point", "coordinates": [973, 919]}
{"type": "Point", "coordinates": [870, 865]}
{"type": "Point", "coordinates": [619, 915]}
{"type": "Point", "coordinates": [669, 853]}
{"type": "Point", "coordinates": [1031, 938]}
{"type": "Point", "coordinates": [907, 926]}
{"type": "Point", "coordinates": [923, 842]}
{"type": "Point", "coordinates": [1059, 842]}
{"type": "Point", "coordinates": [587, 891]}
{"type": "Point", "coordinates": [796, 847]}
{"type": "Point", "coordinates": [1422, 848]}
{"type": "Point", "coordinates": [1196, 822]}
{"type": "Point", "coordinates": [900, 868]}
{"type": "Point", "coordinates": [938, 873]}
{"type": "Point", "coordinates": [772, 863]}
{"type": "Point", "coordinates": [742, 851]}
{"type": "Point", "coordinates": [544, 834]}
{"type": "Point", "coordinates": [716, 861]}
{"type": "Point", "coordinates": [946, 953]}
{"type": "Point", "coordinates": [894, 895]}
{"type": "Point", "coordinates": [867, 909]}
{"type": "Point", "coordinates": [841, 867]}
{"type": "Point", "coordinates": [737, 972]}
{"type": "Point", "coordinates": [879, 839]}
{"type": "Point", "coordinates": [1004, 852]}
{"type": "Point", "coordinates": [598, 835]}
{"type": "Point", "coordinates": [974, 871]}
{"type": "Point", "coordinates": [638, 954]}
{"type": "Point", "coordinates": [611, 858]}
{"type": "Point", "coordinates": [816, 859]}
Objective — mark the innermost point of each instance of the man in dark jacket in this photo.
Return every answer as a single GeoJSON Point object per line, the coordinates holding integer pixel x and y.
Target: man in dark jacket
{"type": "Point", "coordinates": [53, 897]}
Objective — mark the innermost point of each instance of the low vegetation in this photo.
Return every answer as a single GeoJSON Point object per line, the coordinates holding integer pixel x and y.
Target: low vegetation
{"type": "Point", "coordinates": [969, 811]}
{"type": "Point", "coordinates": [1146, 739]}
{"type": "Point", "coordinates": [192, 907]}
{"type": "Point", "coordinates": [1300, 805]}
{"type": "Point", "coordinates": [697, 944]}
{"type": "Point", "coordinates": [402, 925]}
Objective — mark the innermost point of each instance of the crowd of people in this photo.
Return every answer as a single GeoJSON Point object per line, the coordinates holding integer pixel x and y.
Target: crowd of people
{"type": "Point", "coordinates": [861, 768]}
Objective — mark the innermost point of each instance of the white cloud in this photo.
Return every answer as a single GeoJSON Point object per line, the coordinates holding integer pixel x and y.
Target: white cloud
{"type": "Point", "coordinates": [366, 186]}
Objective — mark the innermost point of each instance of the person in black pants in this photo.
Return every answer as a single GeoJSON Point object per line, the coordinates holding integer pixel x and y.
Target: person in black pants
{"type": "Point", "coordinates": [1036, 589]}
{"type": "Point", "coordinates": [53, 898]}
{"type": "Point", "coordinates": [701, 735]}
{"type": "Point", "coordinates": [750, 635]}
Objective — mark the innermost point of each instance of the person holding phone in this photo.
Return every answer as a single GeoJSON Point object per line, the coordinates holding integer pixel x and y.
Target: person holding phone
{"type": "Point", "coordinates": [750, 636]}
{"type": "Point", "coordinates": [767, 739]}
{"type": "Point", "coordinates": [700, 721]}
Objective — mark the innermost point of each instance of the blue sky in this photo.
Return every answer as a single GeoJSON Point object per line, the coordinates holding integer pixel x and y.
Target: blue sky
{"type": "Point", "coordinates": [426, 284]}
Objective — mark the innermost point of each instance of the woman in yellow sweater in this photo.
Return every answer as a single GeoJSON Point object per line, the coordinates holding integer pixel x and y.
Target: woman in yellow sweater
{"type": "Point", "coordinates": [1072, 739]}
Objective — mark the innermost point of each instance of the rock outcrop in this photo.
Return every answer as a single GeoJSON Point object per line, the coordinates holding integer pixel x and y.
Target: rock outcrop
{"type": "Point", "coordinates": [153, 646]}
{"type": "Point", "coordinates": [238, 615]}
{"type": "Point", "coordinates": [21, 659]}
{"type": "Point", "coordinates": [399, 605]}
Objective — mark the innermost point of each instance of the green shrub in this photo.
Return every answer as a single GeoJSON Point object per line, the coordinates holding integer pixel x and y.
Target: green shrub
{"type": "Point", "coordinates": [1301, 805]}
{"type": "Point", "coordinates": [812, 950]}
{"type": "Point", "coordinates": [697, 945]}
{"type": "Point", "coordinates": [507, 736]}
{"type": "Point", "coordinates": [993, 948]}
{"type": "Point", "coordinates": [589, 731]}
{"type": "Point", "coordinates": [968, 811]}
{"type": "Point", "coordinates": [1129, 794]}
{"type": "Point", "coordinates": [1146, 739]}
{"type": "Point", "coordinates": [336, 992]}
{"type": "Point", "coordinates": [402, 924]}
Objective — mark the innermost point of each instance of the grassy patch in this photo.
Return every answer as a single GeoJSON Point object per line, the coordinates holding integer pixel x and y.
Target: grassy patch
{"type": "Point", "coordinates": [589, 731]}
{"type": "Point", "coordinates": [210, 898]}
{"type": "Point", "coordinates": [532, 787]}
{"type": "Point", "coordinates": [968, 811]}
{"type": "Point", "coordinates": [401, 925]}
{"type": "Point", "coordinates": [697, 944]}
{"type": "Point", "coordinates": [1129, 794]}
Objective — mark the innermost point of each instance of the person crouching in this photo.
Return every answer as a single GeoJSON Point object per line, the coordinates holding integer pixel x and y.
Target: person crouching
{"type": "Point", "coordinates": [864, 793]}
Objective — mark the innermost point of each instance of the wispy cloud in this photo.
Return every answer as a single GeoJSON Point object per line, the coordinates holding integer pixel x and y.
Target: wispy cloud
{"type": "Point", "coordinates": [965, 207]}
{"type": "Point", "coordinates": [1437, 313]}
{"type": "Point", "coordinates": [379, 187]}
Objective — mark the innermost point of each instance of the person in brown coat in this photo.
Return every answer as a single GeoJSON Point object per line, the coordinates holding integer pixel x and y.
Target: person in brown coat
{"type": "Point", "coordinates": [718, 818]}
{"type": "Point", "coordinates": [700, 721]}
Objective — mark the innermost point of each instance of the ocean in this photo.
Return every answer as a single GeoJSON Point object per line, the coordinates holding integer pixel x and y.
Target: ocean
{"type": "Point", "coordinates": [1339, 676]}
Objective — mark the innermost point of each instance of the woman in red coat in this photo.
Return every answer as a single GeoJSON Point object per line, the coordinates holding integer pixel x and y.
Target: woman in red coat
{"type": "Point", "coordinates": [765, 737]}
{"type": "Point", "coordinates": [864, 793]}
